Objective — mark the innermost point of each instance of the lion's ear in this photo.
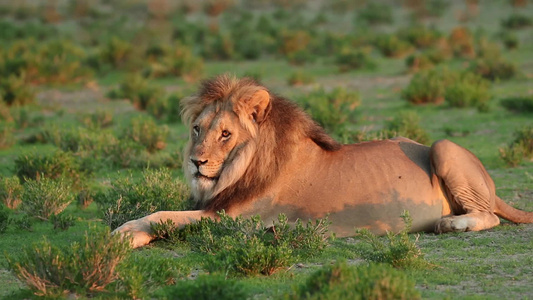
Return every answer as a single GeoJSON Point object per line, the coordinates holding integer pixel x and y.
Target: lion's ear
{"type": "Point", "coordinates": [258, 105]}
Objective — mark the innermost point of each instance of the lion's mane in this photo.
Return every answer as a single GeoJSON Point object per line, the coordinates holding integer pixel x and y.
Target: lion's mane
{"type": "Point", "coordinates": [276, 135]}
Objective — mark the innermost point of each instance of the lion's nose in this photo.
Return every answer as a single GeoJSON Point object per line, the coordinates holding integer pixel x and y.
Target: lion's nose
{"type": "Point", "coordinates": [198, 162]}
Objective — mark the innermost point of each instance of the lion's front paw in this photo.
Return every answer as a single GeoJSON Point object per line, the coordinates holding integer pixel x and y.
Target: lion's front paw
{"type": "Point", "coordinates": [137, 231]}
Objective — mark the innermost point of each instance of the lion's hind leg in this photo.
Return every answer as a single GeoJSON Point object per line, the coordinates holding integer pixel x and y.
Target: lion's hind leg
{"type": "Point", "coordinates": [467, 186]}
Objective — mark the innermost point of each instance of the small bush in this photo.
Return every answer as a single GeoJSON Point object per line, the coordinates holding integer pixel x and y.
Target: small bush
{"type": "Point", "coordinates": [179, 63]}
{"type": "Point", "coordinates": [349, 59]}
{"type": "Point", "coordinates": [244, 246]}
{"type": "Point", "coordinates": [45, 197]}
{"type": "Point", "coordinates": [340, 281]}
{"type": "Point", "coordinates": [521, 104]}
{"type": "Point", "coordinates": [10, 191]}
{"type": "Point", "coordinates": [493, 68]}
{"type": "Point", "coordinates": [469, 90]}
{"type": "Point", "coordinates": [300, 78]}
{"type": "Point", "coordinates": [425, 60]}
{"type": "Point", "coordinates": [85, 197]}
{"type": "Point", "coordinates": [399, 251]}
{"type": "Point", "coordinates": [419, 36]}
{"type": "Point", "coordinates": [25, 222]}
{"type": "Point", "coordinates": [4, 218]}
{"type": "Point", "coordinates": [59, 164]}
{"type": "Point", "coordinates": [522, 146]}
{"type": "Point", "coordinates": [16, 91]}
{"type": "Point", "coordinates": [167, 109]}
{"type": "Point", "coordinates": [128, 199]}
{"type": "Point", "coordinates": [82, 267]}
{"type": "Point", "coordinates": [462, 43]}
{"type": "Point", "coordinates": [6, 135]}
{"type": "Point", "coordinates": [138, 90]}
{"type": "Point", "coordinates": [333, 110]}
{"type": "Point", "coordinates": [391, 46]}
{"type": "Point", "coordinates": [97, 120]}
{"type": "Point", "coordinates": [62, 221]}
{"type": "Point", "coordinates": [375, 14]}
{"type": "Point", "coordinates": [206, 287]}
{"type": "Point", "coordinates": [145, 132]}
{"type": "Point", "coordinates": [510, 40]}
{"type": "Point", "coordinates": [428, 86]}
{"type": "Point", "coordinates": [407, 124]}
{"type": "Point", "coordinates": [516, 21]}
{"type": "Point", "coordinates": [116, 52]}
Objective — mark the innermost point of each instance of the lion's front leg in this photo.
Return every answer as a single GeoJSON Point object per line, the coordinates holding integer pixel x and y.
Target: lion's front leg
{"type": "Point", "coordinates": [140, 229]}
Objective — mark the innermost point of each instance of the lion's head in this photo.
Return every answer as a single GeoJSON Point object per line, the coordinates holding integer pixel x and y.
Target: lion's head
{"type": "Point", "coordinates": [240, 137]}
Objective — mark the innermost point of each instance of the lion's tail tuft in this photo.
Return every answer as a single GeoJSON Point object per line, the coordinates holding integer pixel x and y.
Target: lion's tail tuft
{"type": "Point", "coordinates": [512, 214]}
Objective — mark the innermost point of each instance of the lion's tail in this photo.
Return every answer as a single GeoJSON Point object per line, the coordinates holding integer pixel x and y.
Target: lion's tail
{"type": "Point", "coordinates": [512, 214]}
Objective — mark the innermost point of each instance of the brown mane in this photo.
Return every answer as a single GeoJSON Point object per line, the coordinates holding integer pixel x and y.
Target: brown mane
{"type": "Point", "coordinates": [285, 126]}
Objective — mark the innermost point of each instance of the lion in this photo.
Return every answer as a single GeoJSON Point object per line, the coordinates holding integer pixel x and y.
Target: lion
{"type": "Point", "coordinates": [251, 152]}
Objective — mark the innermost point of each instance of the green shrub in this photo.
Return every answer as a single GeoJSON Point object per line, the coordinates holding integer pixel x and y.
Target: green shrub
{"type": "Point", "coordinates": [428, 86]}
{"type": "Point", "coordinates": [206, 287]}
{"type": "Point", "coordinates": [522, 104]}
{"type": "Point", "coordinates": [375, 14]}
{"type": "Point", "coordinates": [424, 60]}
{"type": "Point", "coordinates": [116, 52]}
{"type": "Point", "coordinates": [59, 164]}
{"type": "Point", "coordinates": [147, 133]}
{"type": "Point", "coordinates": [243, 246]}
{"type": "Point", "coordinates": [129, 199]}
{"type": "Point", "coordinates": [419, 36]}
{"type": "Point", "coordinates": [16, 91]}
{"type": "Point", "coordinates": [4, 218]}
{"type": "Point", "coordinates": [10, 191]}
{"type": "Point", "coordinates": [85, 197]}
{"type": "Point", "coordinates": [60, 62]}
{"type": "Point", "coordinates": [343, 282]}
{"type": "Point", "coordinates": [493, 68]}
{"type": "Point", "coordinates": [249, 257]}
{"type": "Point", "coordinates": [6, 135]}
{"type": "Point", "coordinates": [461, 42]}
{"type": "Point", "coordinates": [399, 251]}
{"type": "Point", "coordinates": [62, 221]}
{"type": "Point", "coordinates": [407, 124]}
{"type": "Point", "coordinates": [181, 62]}
{"type": "Point", "coordinates": [25, 222]}
{"type": "Point", "coordinates": [300, 78]}
{"type": "Point", "coordinates": [469, 90]}
{"type": "Point", "coordinates": [516, 21]}
{"type": "Point", "coordinates": [520, 147]}
{"type": "Point", "coordinates": [123, 154]}
{"type": "Point", "coordinates": [510, 40]}
{"type": "Point", "coordinates": [138, 90]}
{"type": "Point", "coordinates": [391, 46]}
{"type": "Point", "coordinates": [79, 268]}
{"type": "Point", "coordinates": [97, 120]}
{"type": "Point", "coordinates": [167, 109]}
{"type": "Point", "coordinates": [333, 110]}
{"type": "Point", "coordinates": [45, 197]}
{"type": "Point", "coordinates": [350, 58]}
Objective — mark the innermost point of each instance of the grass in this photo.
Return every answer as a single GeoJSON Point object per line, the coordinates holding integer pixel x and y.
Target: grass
{"type": "Point", "coordinates": [493, 264]}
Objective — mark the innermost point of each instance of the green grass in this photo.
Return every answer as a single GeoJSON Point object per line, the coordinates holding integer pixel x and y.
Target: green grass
{"type": "Point", "coordinates": [493, 264]}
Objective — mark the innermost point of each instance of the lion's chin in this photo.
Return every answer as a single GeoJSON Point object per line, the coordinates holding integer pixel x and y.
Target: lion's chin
{"type": "Point", "coordinates": [203, 186]}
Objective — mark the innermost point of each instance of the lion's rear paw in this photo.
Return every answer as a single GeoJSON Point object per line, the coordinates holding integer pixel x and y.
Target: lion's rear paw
{"type": "Point", "coordinates": [451, 224]}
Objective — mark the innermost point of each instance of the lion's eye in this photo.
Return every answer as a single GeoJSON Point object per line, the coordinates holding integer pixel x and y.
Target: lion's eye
{"type": "Point", "coordinates": [196, 129]}
{"type": "Point", "coordinates": [225, 133]}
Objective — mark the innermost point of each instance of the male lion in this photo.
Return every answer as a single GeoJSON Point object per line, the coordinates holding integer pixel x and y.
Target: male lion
{"type": "Point", "coordinates": [252, 152]}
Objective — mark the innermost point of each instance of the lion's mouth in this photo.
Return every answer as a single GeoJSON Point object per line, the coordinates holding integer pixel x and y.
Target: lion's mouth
{"type": "Point", "coordinates": [203, 177]}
